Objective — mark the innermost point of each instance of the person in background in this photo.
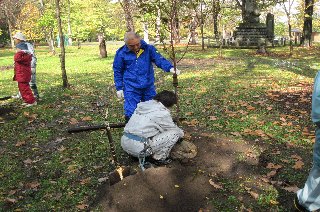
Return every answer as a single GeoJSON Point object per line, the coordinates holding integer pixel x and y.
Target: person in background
{"type": "Point", "coordinates": [21, 38]}
{"type": "Point", "coordinates": [151, 132]}
{"type": "Point", "coordinates": [134, 73]}
{"type": "Point", "coordinates": [308, 198]}
{"type": "Point", "coordinates": [22, 74]}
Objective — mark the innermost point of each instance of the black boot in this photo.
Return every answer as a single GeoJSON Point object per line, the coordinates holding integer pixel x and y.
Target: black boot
{"type": "Point", "coordinates": [35, 91]}
{"type": "Point", "coordinates": [297, 205]}
{"type": "Point", "coordinates": [160, 162]}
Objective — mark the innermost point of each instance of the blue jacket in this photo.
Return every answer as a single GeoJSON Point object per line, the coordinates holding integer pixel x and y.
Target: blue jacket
{"type": "Point", "coordinates": [315, 115]}
{"type": "Point", "coordinates": [137, 72]}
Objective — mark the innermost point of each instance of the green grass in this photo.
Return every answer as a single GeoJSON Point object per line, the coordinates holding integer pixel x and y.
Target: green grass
{"type": "Point", "coordinates": [44, 168]}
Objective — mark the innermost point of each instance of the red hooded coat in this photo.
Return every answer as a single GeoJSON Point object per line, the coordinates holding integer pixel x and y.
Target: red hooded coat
{"type": "Point", "coordinates": [22, 67]}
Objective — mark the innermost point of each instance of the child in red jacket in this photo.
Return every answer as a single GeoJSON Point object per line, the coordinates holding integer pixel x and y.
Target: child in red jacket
{"type": "Point", "coordinates": [22, 74]}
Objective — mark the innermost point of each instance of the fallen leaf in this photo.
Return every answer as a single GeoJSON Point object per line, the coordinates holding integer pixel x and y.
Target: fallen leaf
{"type": "Point", "coordinates": [215, 185]}
{"type": "Point", "coordinates": [212, 118]}
{"type": "Point", "coordinates": [254, 194]}
{"type": "Point", "coordinates": [161, 197]}
{"type": "Point", "coordinates": [273, 166]}
{"type": "Point", "coordinates": [298, 165]}
{"type": "Point", "coordinates": [10, 200]}
{"type": "Point", "coordinates": [297, 157]}
{"type": "Point", "coordinates": [61, 149]}
{"type": "Point", "coordinates": [235, 133]}
{"type": "Point", "coordinates": [85, 181]}
{"type": "Point", "coordinates": [250, 108]}
{"type": "Point", "coordinates": [272, 173]}
{"type": "Point", "coordinates": [264, 179]}
{"type": "Point", "coordinates": [274, 202]}
{"type": "Point", "coordinates": [103, 179]}
{"type": "Point", "coordinates": [58, 140]}
{"type": "Point", "coordinates": [28, 161]}
{"type": "Point", "coordinates": [269, 108]}
{"type": "Point", "coordinates": [73, 121]}
{"type": "Point", "coordinates": [82, 206]}
{"type": "Point", "coordinates": [292, 189]}
{"type": "Point", "coordinates": [12, 192]}
{"type": "Point", "coordinates": [20, 143]}
{"type": "Point", "coordinates": [176, 186]}
{"type": "Point", "coordinates": [33, 185]}
{"type": "Point", "coordinates": [87, 118]}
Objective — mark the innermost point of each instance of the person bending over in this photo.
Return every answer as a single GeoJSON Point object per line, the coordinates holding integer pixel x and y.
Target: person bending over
{"type": "Point", "coordinates": [151, 130]}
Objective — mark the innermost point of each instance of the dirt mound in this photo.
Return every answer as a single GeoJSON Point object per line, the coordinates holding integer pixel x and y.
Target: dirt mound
{"type": "Point", "coordinates": [185, 185]}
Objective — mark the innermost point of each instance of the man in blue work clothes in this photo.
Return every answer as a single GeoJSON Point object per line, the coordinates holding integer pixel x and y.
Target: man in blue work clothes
{"type": "Point", "coordinates": [134, 73]}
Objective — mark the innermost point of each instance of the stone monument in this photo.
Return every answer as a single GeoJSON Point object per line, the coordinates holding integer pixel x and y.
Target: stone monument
{"type": "Point", "coordinates": [270, 29]}
{"type": "Point", "coordinates": [251, 32]}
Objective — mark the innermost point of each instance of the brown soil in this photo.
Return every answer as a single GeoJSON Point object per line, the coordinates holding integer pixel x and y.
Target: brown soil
{"type": "Point", "coordinates": [204, 183]}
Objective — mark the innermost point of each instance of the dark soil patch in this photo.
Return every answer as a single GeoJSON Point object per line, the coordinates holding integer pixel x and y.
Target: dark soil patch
{"type": "Point", "coordinates": [226, 175]}
{"type": "Point", "coordinates": [7, 113]}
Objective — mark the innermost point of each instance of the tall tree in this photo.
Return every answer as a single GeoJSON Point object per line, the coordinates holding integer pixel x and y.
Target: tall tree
{"type": "Point", "coordinates": [69, 25]}
{"type": "Point", "coordinates": [63, 54]}
{"type": "Point", "coordinates": [27, 21]}
{"type": "Point", "coordinates": [287, 7]}
{"type": "Point", "coordinates": [158, 24]}
{"type": "Point", "coordinates": [10, 10]}
{"type": "Point", "coordinates": [47, 23]}
{"type": "Point", "coordinates": [127, 8]}
{"type": "Point", "coordinates": [215, 12]}
{"type": "Point", "coordinates": [307, 23]}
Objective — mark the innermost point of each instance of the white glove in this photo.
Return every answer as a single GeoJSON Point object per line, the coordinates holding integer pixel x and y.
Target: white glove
{"type": "Point", "coordinates": [177, 71]}
{"type": "Point", "coordinates": [120, 94]}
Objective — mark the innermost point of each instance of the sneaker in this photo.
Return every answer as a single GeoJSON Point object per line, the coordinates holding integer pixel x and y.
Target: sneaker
{"type": "Point", "coordinates": [160, 162]}
{"type": "Point", "coordinates": [24, 104]}
{"type": "Point", "coordinates": [297, 205]}
{"type": "Point", "coordinates": [30, 105]}
{"type": "Point", "coordinates": [18, 96]}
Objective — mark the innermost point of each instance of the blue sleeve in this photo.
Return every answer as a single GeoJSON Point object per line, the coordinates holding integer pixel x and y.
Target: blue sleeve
{"type": "Point", "coordinates": [118, 70]}
{"type": "Point", "coordinates": [159, 60]}
{"type": "Point", "coordinates": [315, 112]}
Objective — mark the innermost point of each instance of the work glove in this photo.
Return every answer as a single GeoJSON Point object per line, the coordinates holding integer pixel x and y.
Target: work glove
{"type": "Point", "coordinates": [120, 94]}
{"type": "Point", "coordinates": [177, 71]}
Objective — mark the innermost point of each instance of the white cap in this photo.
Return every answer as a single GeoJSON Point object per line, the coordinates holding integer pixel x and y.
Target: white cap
{"type": "Point", "coordinates": [20, 36]}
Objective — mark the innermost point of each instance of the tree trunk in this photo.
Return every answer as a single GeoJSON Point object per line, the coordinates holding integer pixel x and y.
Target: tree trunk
{"type": "Point", "coordinates": [9, 25]}
{"type": "Point", "coordinates": [193, 31]}
{"type": "Point", "coordinates": [145, 32]}
{"type": "Point", "coordinates": [307, 24]}
{"type": "Point", "coordinates": [175, 27]}
{"type": "Point", "coordinates": [173, 53]}
{"type": "Point", "coordinates": [215, 12]}
{"type": "Point", "coordinates": [128, 15]}
{"type": "Point", "coordinates": [102, 46]}
{"type": "Point", "coordinates": [158, 26]}
{"type": "Point", "coordinates": [290, 38]}
{"type": "Point", "coordinates": [201, 28]}
{"type": "Point", "coordinates": [62, 55]}
{"type": "Point", "coordinates": [48, 35]}
{"type": "Point", "coordinates": [69, 25]}
{"type": "Point", "coordinates": [50, 42]}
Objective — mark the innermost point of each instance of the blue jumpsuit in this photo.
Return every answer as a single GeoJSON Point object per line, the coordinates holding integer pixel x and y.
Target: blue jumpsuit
{"type": "Point", "coordinates": [134, 74]}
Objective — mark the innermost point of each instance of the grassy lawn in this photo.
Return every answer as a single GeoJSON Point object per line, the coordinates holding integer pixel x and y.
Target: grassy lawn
{"type": "Point", "coordinates": [264, 99]}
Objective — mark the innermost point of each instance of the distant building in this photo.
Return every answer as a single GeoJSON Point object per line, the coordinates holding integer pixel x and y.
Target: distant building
{"type": "Point", "coordinates": [297, 34]}
{"type": "Point", "coordinates": [315, 37]}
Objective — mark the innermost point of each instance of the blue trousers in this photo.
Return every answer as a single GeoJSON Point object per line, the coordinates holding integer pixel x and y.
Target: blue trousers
{"type": "Point", "coordinates": [132, 96]}
{"type": "Point", "coordinates": [309, 196]}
